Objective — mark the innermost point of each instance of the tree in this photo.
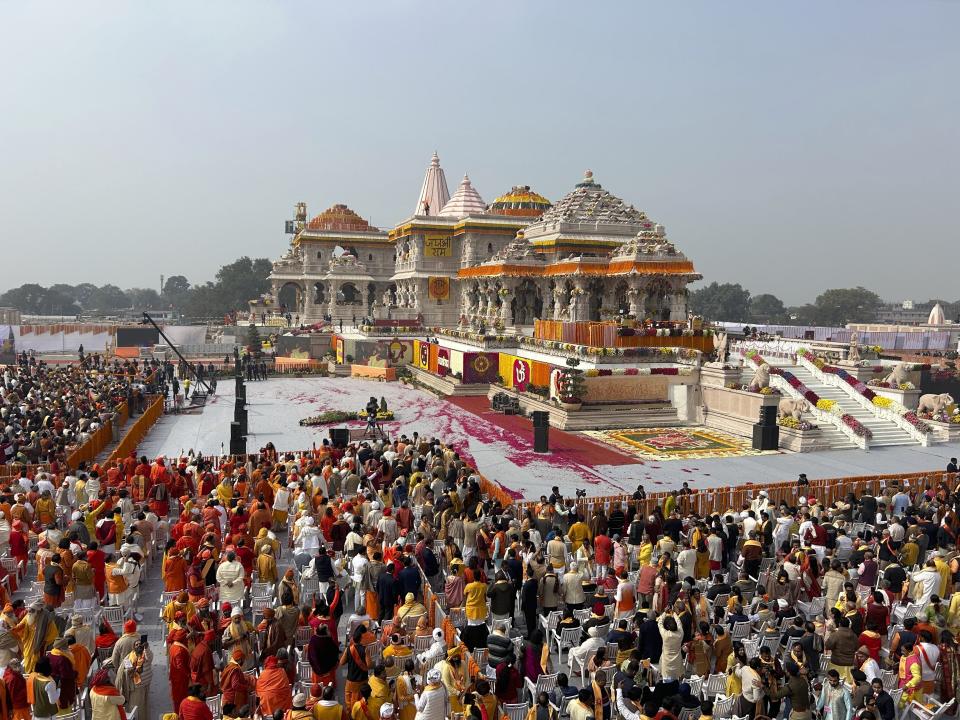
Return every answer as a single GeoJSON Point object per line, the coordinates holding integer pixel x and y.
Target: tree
{"type": "Point", "coordinates": [35, 299]}
{"type": "Point", "coordinates": [239, 282]}
{"type": "Point", "coordinates": [253, 339]}
{"type": "Point", "coordinates": [176, 285]}
{"type": "Point", "coordinates": [839, 306]}
{"type": "Point", "coordinates": [767, 308]}
{"type": "Point", "coordinates": [144, 298]}
{"type": "Point", "coordinates": [106, 299]}
{"type": "Point", "coordinates": [728, 302]}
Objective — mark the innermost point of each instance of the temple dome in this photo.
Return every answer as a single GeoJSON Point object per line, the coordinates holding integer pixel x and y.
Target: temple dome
{"type": "Point", "coordinates": [465, 201]}
{"type": "Point", "coordinates": [937, 316]}
{"type": "Point", "coordinates": [588, 202]}
{"type": "Point", "coordinates": [434, 194]}
{"type": "Point", "coordinates": [339, 218]}
{"type": "Point", "coordinates": [521, 201]}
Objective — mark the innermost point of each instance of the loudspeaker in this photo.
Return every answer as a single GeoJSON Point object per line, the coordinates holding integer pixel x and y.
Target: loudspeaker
{"type": "Point", "coordinates": [340, 437]}
{"type": "Point", "coordinates": [768, 415]}
{"type": "Point", "coordinates": [241, 417]}
{"type": "Point", "coordinates": [766, 437]}
{"type": "Point", "coordinates": [238, 443]}
{"type": "Point", "coordinates": [541, 438]}
{"type": "Point", "coordinates": [541, 418]}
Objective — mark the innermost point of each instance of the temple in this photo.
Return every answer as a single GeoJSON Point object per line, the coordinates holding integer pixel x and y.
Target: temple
{"type": "Point", "coordinates": [459, 262]}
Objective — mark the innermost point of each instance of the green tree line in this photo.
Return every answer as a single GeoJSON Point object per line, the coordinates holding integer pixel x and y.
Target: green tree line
{"type": "Point", "coordinates": [234, 285]}
{"type": "Point", "coordinates": [731, 302]}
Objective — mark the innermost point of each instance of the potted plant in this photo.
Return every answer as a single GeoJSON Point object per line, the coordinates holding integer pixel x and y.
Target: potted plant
{"type": "Point", "coordinates": [572, 386]}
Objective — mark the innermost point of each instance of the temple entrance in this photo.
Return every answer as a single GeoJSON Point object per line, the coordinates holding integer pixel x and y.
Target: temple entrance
{"type": "Point", "coordinates": [621, 299]}
{"type": "Point", "coordinates": [659, 293]}
{"type": "Point", "coordinates": [594, 299]}
{"type": "Point", "coordinates": [289, 297]}
{"type": "Point", "coordinates": [527, 304]}
{"type": "Point", "coordinates": [348, 295]}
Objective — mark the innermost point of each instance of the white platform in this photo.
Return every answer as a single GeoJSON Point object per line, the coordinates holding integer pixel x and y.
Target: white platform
{"type": "Point", "coordinates": [276, 407]}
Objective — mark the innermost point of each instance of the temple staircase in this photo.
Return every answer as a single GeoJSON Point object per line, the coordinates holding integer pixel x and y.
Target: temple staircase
{"type": "Point", "coordinates": [884, 432]}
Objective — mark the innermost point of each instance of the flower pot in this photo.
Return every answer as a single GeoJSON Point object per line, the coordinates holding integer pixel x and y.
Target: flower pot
{"type": "Point", "coordinates": [571, 405]}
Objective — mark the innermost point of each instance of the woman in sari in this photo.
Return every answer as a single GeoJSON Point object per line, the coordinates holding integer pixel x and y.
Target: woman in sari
{"type": "Point", "coordinates": [810, 576]}
{"type": "Point", "coordinates": [536, 656]}
{"type": "Point", "coordinates": [322, 653]}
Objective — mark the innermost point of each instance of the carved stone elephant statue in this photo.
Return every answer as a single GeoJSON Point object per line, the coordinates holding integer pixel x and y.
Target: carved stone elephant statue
{"type": "Point", "coordinates": [761, 378]}
{"type": "Point", "coordinates": [899, 375]}
{"type": "Point", "coordinates": [935, 403]}
{"type": "Point", "coordinates": [789, 407]}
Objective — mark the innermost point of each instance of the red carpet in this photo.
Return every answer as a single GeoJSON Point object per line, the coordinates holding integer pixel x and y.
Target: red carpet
{"type": "Point", "coordinates": [576, 448]}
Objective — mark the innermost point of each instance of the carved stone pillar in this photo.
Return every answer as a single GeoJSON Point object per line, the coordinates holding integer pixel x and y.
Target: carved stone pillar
{"type": "Point", "coordinates": [637, 297]}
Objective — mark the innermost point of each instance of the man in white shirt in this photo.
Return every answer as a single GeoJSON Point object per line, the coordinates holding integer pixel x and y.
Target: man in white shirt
{"type": "Point", "coordinates": [928, 580]}
{"type": "Point", "coordinates": [44, 484]}
{"type": "Point", "coordinates": [929, 656]}
{"type": "Point", "coordinates": [686, 562]}
{"type": "Point", "coordinates": [868, 666]}
{"type": "Point", "coordinates": [805, 526]}
{"type": "Point", "coordinates": [230, 579]}
{"type": "Point", "coordinates": [358, 564]}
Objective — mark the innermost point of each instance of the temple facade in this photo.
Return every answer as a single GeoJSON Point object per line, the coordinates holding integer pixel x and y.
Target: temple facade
{"type": "Point", "coordinates": [458, 261]}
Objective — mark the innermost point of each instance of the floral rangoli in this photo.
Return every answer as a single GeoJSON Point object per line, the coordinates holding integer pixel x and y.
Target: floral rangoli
{"type": "Point", "coordinates": [676, 443]}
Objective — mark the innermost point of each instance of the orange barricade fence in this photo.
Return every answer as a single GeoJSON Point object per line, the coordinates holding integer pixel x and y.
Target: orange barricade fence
{"type": "Point", "coordinates": [141, 426]}
{"type": "Point", "coordinates": [13, 470]}
{"type": "Point", "coordinates": [703, 502]}
{"type": "Point", "coordinates": [827, 491]}
{"type": "Point", "coordinates": [93, 447]}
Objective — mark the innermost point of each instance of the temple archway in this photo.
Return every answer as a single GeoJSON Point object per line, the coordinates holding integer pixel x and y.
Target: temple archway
{"type": "Point", "coordinates": [594, 299]}
{"type": "Point", "coordinates": [659, 292]}
{"type": "Point", "coordinates": [289, 297]}
{"type": "Point", "coordinates": [348, 295]}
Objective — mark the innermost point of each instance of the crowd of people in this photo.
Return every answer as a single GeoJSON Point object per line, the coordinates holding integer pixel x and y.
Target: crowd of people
{"type": "Point", "coordinates": [46, 411]}
{"type": "Point", "coordinates": [378, 581]}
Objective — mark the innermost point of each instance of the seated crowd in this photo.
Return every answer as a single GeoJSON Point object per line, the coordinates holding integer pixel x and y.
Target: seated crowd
{"type": "Point", "coordinates": [407, 588]}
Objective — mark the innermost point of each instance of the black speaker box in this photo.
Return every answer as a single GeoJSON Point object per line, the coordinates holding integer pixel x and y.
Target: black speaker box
{"type": "Point", "coordinates": [541, 418]}
{"type": "Point", "coordinates": [238, 443]}
{"type": "Point", "coordinates": [766, 437]}
{"type": "Point", "coordinates": [541, 438]}
{"type": "Point", "coordinates": [340, 437]}
{"type": "Point", "coordinates": [768, 415]}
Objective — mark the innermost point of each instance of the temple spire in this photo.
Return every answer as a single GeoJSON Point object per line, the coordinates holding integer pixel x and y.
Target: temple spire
{"type": "Point", "coordinates": [434, 194]}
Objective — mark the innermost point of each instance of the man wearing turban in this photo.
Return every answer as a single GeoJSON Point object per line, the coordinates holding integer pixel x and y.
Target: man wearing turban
{"type": "Point", "coordinates": [125, 644]}
{"type": "Point", "coordinates": [234, 685]}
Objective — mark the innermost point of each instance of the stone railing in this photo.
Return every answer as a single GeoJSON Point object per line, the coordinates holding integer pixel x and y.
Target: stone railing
{"type": "Point", "coordinates": [894, 412]}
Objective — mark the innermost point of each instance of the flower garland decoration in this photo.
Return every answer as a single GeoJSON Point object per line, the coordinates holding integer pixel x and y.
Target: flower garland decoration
{"type": "Point", "coordinates": [788, 421]}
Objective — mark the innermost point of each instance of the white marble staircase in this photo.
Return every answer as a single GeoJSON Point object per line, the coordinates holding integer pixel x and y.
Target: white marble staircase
{"type": "Point", "coordinates": [884, 432]}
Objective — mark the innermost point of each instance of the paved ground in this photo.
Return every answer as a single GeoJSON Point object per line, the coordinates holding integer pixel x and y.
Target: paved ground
{"type": "Point", "coordinates": [502, 453]}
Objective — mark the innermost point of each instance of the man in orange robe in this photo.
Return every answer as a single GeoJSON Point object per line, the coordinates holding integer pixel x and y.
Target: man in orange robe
{"type": "Point", "coordinates": [179, 667]}
{"type": "Point", "coordinates": [174, 571]}
{"type": "Point", "coordinates": [273, 685]}
{"type": "Point", "coordinates": [201, 664]}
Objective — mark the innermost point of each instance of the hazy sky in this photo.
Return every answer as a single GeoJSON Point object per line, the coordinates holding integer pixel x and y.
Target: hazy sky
{"type": "Point", "coordinates": [790, 147]}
